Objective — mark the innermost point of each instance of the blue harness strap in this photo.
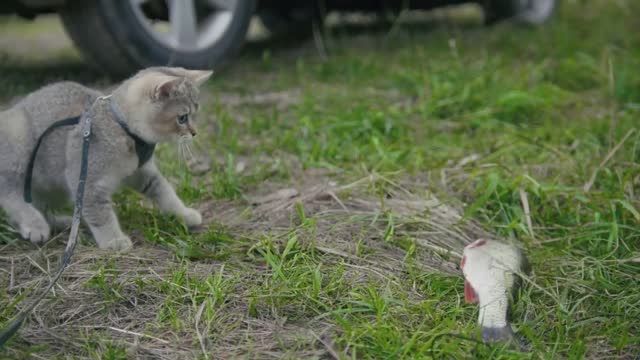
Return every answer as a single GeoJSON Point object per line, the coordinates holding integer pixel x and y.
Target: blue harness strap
{"type": "Point", "coordinates": [144, 150]}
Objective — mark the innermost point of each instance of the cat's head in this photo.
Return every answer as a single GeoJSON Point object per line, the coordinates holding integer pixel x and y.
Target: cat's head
{"type": "Point", "coordinates": [161, 102]}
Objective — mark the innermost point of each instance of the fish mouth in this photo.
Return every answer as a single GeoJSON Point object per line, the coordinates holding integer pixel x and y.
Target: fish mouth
{"type": "Point", "coordinates": [470, 295]}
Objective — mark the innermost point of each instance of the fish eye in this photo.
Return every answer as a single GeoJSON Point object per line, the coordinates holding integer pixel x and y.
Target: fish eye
{"type": "Point", "coordinates": [183, 119]}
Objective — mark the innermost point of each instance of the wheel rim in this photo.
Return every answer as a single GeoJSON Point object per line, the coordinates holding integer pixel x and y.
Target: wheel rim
{"type": "Point", "coordinates": [185, 25]}
{"type": "Point", "coordinates": [535, 11]}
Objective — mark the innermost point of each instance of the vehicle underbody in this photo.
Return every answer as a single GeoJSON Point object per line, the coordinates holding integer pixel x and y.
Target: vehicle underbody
{"type": "Point", "coordinates": [31, 8]}
{"type": "Point", "coordinates": [127, 35]}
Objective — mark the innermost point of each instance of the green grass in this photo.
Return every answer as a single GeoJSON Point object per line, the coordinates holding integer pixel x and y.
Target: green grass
{"type": "Point", "coordinates": [479, 115]}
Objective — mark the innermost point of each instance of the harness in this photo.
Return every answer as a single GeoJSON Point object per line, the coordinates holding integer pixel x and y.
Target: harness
{"type": "Point", "coordinates": [144, 151]}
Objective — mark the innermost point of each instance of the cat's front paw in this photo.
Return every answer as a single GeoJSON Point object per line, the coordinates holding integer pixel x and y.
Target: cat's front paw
{"type": "Point", "coordinates": [192, 217]}
{"type": "Point", "coordinates": [35, 231]}
{"type": "Point", "coordinates": [121, 243]}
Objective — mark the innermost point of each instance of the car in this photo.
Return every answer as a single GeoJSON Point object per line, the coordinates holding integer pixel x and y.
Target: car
{"type": "Point", "coordinates": [122, 36]}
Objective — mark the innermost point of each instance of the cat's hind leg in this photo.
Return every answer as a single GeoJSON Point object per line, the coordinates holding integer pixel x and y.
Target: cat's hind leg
{"type": "Point", "coordinates": [24, 217]}
{"type": "Point", "coordinates": [28, 220]}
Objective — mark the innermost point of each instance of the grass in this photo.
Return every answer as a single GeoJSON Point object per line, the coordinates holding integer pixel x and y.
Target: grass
{"type": "Point", "coordinates": [486, 119]}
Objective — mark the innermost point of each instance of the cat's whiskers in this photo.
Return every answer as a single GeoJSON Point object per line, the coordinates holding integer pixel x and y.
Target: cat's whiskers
{"type": "Point", "coordinates": [187, 146]}
{"type": "Point", "coordinates": [180, 154]}
{"type": "Point", "coordinates": [184, 147]}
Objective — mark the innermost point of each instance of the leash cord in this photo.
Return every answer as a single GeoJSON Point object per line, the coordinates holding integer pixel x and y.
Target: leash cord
{"type": "Point", "coordinates": [15, 324]}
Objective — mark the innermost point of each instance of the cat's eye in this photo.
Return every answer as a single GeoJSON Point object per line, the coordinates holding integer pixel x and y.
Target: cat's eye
{"type": "Point", "coordinates": [183, 119]}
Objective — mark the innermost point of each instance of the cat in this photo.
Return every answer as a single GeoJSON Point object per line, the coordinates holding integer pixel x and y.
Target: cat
{"type": "Point", "coordinates": [156, 105]}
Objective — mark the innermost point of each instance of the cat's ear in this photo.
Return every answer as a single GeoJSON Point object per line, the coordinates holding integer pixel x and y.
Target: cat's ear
{"type": "Point", "coordinates": [199, 77]}
{"type": "Point", "coordinates": [164, 89]}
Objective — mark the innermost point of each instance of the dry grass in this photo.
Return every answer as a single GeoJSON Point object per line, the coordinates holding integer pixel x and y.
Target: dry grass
{"type": "Point", "coordinates": [124, 311]}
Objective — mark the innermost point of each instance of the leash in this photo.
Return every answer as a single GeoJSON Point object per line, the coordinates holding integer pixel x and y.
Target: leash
{"type": "Point", "coordinates": [85, 120]}
{"type": "Point", "coordinates": [144, 152]}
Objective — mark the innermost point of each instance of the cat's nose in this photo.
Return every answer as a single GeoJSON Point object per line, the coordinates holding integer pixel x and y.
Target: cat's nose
{"type": "Point", "coordinates": [192, 130]}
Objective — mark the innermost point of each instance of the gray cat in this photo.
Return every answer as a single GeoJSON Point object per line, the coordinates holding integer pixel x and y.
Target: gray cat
{"type": "Point", "coordinates": [156, 105]}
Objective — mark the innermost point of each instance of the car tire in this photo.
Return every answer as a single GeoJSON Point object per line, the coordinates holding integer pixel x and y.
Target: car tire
{"type": "Point", "coordinates": [529, 12]}
{"type": "Point", "coordinates": [115, 36]}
